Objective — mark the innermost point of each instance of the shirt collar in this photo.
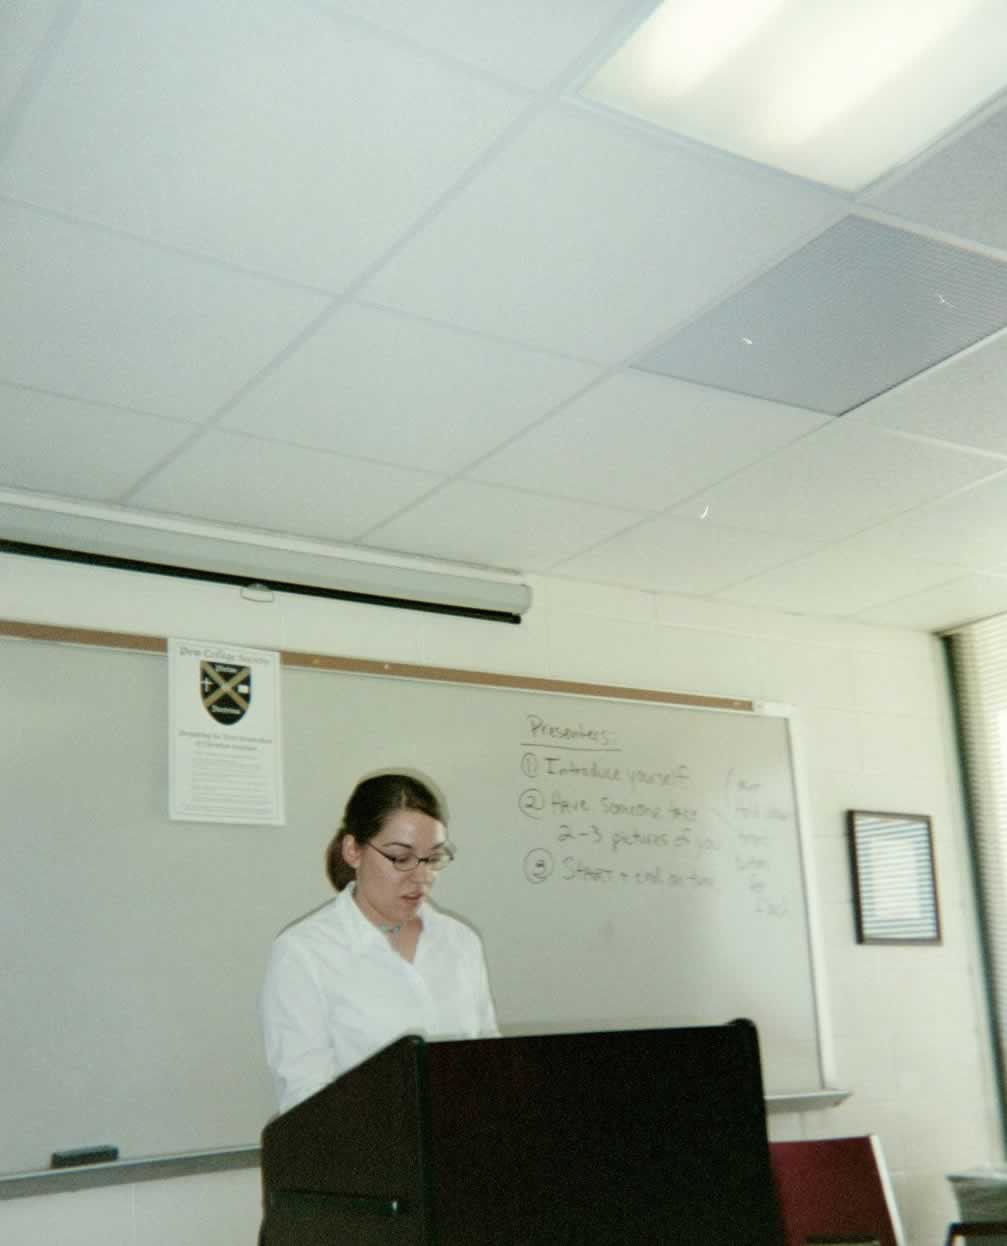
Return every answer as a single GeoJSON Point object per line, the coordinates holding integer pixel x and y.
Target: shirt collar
{"type": "Point", "coordinates": [363, 932]}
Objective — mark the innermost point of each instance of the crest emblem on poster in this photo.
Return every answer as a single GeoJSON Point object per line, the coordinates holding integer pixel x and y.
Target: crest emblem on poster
{"type": "Point", "coordinates": [226, 691]}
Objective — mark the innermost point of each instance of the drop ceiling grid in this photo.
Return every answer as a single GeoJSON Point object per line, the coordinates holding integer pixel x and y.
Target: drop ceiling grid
{"type": "Point", "coordinates": [104, 319]}
{"type": "Point", "coordinates": [960, 188]}
{"type": "Point", "coordinates": [75, 449]}
{"type": "Point", "coordinates": [586, 239]}
{"type": "Point", "coordinates": [380, 385]}
{"type": "Point", "coordinates": [524, 40]}
{"type": "Point", "coordinates": [235, 479]}
{"type": "Point", "coordinates": [470, 522]}
{"type": "Point", "coordinates": [961, 401]}
{"type": "Point", "coordinates": [575, 235]}
{"type": "Point", "coordinates": [265, 142]}
{"type": "Point", "coordinates": [925, 539]}
{"type": "Point", "coordinates": [681, 554]}
{"type": "Point", "coordinates": [967, 529]}
{"type": "Point", "coordinates": [24, 41]}
{"type": "Point", "coordinates": [945, 606]}
{"type": "Point", "coordinates": [836, 581]}
{"type": "Point", "coordinates": [837, 481]}
{"type": "Point", "coordinates": [643, 441]}
{"type": "Point", "coordinates": [858, 310]}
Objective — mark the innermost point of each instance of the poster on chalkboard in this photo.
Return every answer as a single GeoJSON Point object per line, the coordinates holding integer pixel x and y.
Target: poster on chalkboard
{"type": "Point", "coordinates": [226, 762]}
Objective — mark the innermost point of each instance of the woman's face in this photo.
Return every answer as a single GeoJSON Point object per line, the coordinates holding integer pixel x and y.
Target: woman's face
{"type": "Point", "coordinates": [385, 894]}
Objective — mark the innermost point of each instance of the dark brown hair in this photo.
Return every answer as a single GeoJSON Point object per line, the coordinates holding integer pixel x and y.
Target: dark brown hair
{"type": "Point", "coordinates": [373, 801]}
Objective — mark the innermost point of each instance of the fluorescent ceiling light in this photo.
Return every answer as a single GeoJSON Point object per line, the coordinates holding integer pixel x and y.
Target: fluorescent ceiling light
{"type": "Point", "coordinates": [839, 92]}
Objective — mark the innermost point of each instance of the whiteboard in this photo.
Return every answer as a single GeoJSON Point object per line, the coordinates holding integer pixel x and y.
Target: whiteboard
{"type": "Point", "coordinates": [627, 864]}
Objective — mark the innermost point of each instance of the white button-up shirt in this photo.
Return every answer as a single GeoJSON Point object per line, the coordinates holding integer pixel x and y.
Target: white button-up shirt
{"type": "Point", "coordinates": [336, 992]}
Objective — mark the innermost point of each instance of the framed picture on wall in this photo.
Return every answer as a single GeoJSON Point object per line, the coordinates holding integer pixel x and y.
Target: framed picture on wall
{"type": "Point", "coordinates": [894, 883]}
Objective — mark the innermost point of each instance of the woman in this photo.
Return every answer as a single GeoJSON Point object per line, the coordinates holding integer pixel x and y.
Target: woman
{"type": "Point", "coordinates": [378, 961]}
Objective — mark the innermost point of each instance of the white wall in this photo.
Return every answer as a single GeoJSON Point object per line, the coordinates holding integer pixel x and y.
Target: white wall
{"type": "Point", "coordinates": [908, 1023]}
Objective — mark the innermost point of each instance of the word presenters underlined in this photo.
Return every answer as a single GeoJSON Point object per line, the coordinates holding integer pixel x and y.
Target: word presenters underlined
{"type": "Point", "coordinates": [604, 809]}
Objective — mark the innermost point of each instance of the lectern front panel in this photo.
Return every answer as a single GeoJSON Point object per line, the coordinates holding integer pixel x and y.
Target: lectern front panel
{"type": "Point", "coordinates": [647, 1137]}
{"type": "Point", "coordinates": [653, 1136]}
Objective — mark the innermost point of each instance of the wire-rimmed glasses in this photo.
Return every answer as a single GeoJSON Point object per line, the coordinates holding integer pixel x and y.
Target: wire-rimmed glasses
{"type": "Point", "coordinates": [404, 860]}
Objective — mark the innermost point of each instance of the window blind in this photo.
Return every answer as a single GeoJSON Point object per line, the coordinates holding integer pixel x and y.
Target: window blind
{"type": "Point", "coordinates": [978, 663]}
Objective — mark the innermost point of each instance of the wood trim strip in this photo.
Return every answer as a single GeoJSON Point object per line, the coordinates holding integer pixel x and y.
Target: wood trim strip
{"type": "Point", "coordinates": [393, 670]}
{"type": "Point", "coordinates": [82, 636]}
{"type": "Point", "coordinates": [527, 683]}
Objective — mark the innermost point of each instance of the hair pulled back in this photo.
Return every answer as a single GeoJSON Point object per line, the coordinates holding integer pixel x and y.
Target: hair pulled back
{"type": "Point", "coordinates": [373, 801]}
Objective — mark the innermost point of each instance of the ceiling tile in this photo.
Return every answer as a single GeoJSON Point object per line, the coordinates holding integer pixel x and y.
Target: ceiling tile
{"type": "Point", "coordinates": [257, 132]}
{"type": "Point", "coordinates": [524, 40]}
{"type": "Point", "coordinates": [960, 188]}
{"type": "Point", "coordinates": [25, 30]}
{"type": "Point", "coordinates": [945, 606]}
{"type": "Point", "coordinates": [854, 312]}
{"type": "Point", "coordinates": [242, 480]}
{"type": "Point", "coordinates": [836, 582]}
{"type": "Point", "coordinates": [81, 450]}
{"type": "Point", "coordinates": [961, 401]}
{"type": "Point", "coordinates": [837, 481]}
{"type": "Point", "coordinates": [188, 193]}
{"type": "Point", "coordinates": [968, 530]}
{"type": "Point", "coordinates": [682, 556]}
{"type": "Point", "coordinates": [645, 442]}
{"type": "Point", "coordinates": [502, 527]}
{"type": "Point", "coordinates": [105, 319]}
{"type": "Point", "coordinates": [588, 239]}
{"type": "Point", "coordinates": [914, 536]}
{"type": "Point", "coordinates": [383, 386]}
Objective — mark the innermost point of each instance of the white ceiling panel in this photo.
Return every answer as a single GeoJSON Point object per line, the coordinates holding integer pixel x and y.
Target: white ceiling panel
{"type": "Point", "coordinates": [967, 530]}
{"type": "Point", "coordinates": [837, 481]}
{"type": "Point", "coordinates": [102, 318]}
{"type": "Point", "coordinates": [25, 30]}
{"type": "Point", "coordinates": [258, 484]}
{"type": "Point", "coordinates": [673, 439]}
{"type": "Point", "coordinates": [78, 449]}
{"type": "Point", "coordinates": [590, 240]}
{"type": "Point", "coordinates": [524, 40]}
{"type": "Point", "coordinates": [836, 581]}
{"type": "Point", "coordinates": [255, 131]}
{"type": "Point", "coordinates": [945, 606]}
{"type": "Point", "coordinates": [385, 386]}
{"type": "Point", "coordinates": [481, 523]}
{"type": "Point", "coordinates": [961, 401]}
{"type": "Point", "coordinates": [960, 188]}
{"type": "Point", "coordinates": [925, 536]}
{"type": "Point", "coordinates": [683, 556]}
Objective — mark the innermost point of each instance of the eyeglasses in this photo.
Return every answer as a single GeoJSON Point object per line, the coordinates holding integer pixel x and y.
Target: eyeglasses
{"type": "Point", "coordinates": [406, 861]}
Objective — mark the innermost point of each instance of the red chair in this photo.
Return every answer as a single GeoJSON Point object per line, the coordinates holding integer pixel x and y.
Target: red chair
{"type": "Point", "coordinates": [835, 1188]}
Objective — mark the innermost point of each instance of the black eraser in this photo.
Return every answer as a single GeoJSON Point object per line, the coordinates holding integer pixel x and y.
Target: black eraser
{"type": "Point", "coordinates": [84, 1155]}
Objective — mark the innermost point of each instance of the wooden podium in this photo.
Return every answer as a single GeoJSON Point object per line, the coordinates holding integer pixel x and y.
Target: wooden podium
{"type": "Point", "coordinates": [645, 1136]}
